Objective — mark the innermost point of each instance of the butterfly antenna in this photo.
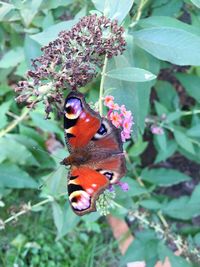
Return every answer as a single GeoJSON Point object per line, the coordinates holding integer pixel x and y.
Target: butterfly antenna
{"type": "Point", "coordinates": [46, 181]}
{"type": "Point", "coordinates": [41, 150]}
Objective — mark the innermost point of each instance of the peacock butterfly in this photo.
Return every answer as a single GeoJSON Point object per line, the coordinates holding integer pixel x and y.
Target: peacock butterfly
{"type": "Point", "coordinates": [96, 153]}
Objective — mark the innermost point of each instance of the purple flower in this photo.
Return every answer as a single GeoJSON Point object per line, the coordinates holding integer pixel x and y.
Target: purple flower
{"type": "Point", "coordinates": [124, 186]}
{"type": "Point", "coordinates": [155, 129]}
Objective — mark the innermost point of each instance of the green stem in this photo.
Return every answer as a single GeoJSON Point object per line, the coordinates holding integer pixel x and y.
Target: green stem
{"type": "Point", "coordinates": [139, 12]}
{"type": "Point", "coordinates": [102, 86]}
{"type": "Point", "coordinates": [14, 123]}
{"type": "Point", "coordinates": [27, 209]}
{"type": "Point", "coordinates": [187, 113]}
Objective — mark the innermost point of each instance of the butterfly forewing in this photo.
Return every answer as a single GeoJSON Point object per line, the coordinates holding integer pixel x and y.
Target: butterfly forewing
{"type": "Point", "coordinates": [80, 121]}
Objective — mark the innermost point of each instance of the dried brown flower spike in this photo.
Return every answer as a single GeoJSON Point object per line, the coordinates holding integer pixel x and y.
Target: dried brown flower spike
{"type": "Point", "coordinates": [72, 60]}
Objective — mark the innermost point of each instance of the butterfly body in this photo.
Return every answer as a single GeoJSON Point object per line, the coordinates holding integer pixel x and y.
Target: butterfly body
{"type": "Point", "coordinates": [96, 154]}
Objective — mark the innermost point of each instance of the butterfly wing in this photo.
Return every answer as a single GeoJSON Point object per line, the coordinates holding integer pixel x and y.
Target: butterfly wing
{"type": "Point", "coordinates": [84, 187]}
{"type": "Point", "coordinates": [80, 121]}
{"type": "Point", "coordinates": [107, 152]}
{"type": "Point", "coordinates": [86, 131]}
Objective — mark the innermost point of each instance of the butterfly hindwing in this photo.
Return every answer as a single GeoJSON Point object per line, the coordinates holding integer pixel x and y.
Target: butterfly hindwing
{"type": "Point", "coordinates": [84, 186]}
{"type": "Point", "coordinates": [108, 141]}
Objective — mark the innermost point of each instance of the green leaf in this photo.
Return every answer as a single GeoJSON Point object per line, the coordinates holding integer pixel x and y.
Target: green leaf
{"type": "Point", "coordinates": [161, 141]}
{"type": "Point", "coordinates": [3, 109]}
{"type": "Point", "coordinates": [70, 220]}
{"type": "Point", "coordinates": [164, 21]}
{"type": "Point", "coordinates": [171, 44]}
{"type": "Point", "coordinates": [57, 216]}
{"type": "Point", "coordinates": [12, 58]}
{"type": "Point", "coordinates": [5, 9]}
{"type": "Point", "coordinates": [167, 95]}
{"type": "Point", "coordinates": [21, 154]}
{"type": "Point", "coordinates": [196, 3]}
{"type": "Point", "coordinates": [114, 9]}
{"type": "Point", "coordinates": [151, 204]}
{"type": "Point", "coordinates": [138, 148]}
{"type": "Point", "coordinates": [134, 188]}
{"type": "Point", "coordinates": [143, 248]}
{"type": "Point", "coordinates": [178, 209]}
{"type": "Point", "coordinates": [176, 261]}
{"type": "Point", "coordinates": [184, 208]}
{"type": "Point", "coordinates": [131, 74]}
{"type": "Point", "coordinates": [52, 4]}
{"type": "Point", "coordinates": [56, 181]}
{"type": "Point", "coordinates": [191, 84]}
{"type": "Point", "coordinates": [183, 141]}
{"type": "Point", "coordinates": [164, 177]}
{"type": "Point", "coordinates": [29, 9]}
{"type": "Point", "coordinates": [13, 177]}
{"type": "Point", "coordinates": [45, 125]}
{"type": "Point", "coordinates": [31, 49]}
{"type": "Point", "coordinates": [194, 131]}
{"type": "Point", "coordinates": [51, 33]}
{"type": "Point", "coordinates": [162, 155]}
{"type": "Point", "coordinates": [138, 93]}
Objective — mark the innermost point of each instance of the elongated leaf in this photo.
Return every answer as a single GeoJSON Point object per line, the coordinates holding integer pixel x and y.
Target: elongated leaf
{"type": "Point", "coordinates": [174, 45]}
{"type": "Point", "coordinates": [134, 188]}
{"type": "Point", "coordinates": [51, 33]}
{"type": "Point", "coordinates": [183, 141]}
{"type": "Point", "coordinates": [196, 3]}
{"type": "Point", "coordinates": [70, 220]}
{"type": "Point", "coordinates": [175, 261]}
{"type": "Point", "coordinates": [29, 9]}
{"type": "Point", "coordinates": [5, 8]}
{"type": "Point", "coordinates": [184, 208]}
{"type": "Point", "coordinates": [194, 131]}
{"type": "Point", "coordinates": [114, 9]}
{"type": "Point", "coordinates": [164, 21]}
{"type": "Point", "coordinates": [151, 204]}
{"type": "Point", "coordinates": [163, 177]}
{"type": "Point", "coordinates": [13, 177]}
{"type": "Point", "coordinates": [56, 181]}
{"type": "Point", "coordinates": [15, 152]}
{"type": "Point", "coordinates": [143, 248]}
{"type": "Point", "coordinates": [45, 125]}
{"type": "Point", "coordinates": [191, 84]}
{"type": "Point", "coordinates": [12, 58]}
{"type": "Point", "coordinates": [57, 216]}
{"type": "Point", "coordinates": [131, 74]}
{"type": "Point", "coordinates": [52, 4]}
{"type": "Point", "coordinates": [3, 109]}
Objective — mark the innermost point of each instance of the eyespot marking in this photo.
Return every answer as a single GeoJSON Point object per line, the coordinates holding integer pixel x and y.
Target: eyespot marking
{"type": "Point", "coordinates": [73, 108]}
{"type": "Point", "coordinates": [103, 130]}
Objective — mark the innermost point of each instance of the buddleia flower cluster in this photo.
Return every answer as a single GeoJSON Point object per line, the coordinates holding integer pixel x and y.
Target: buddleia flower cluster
{"type": "Point", "coordinates": [71, 61]}
{"type": "Point", "coordinates": [120, 117]}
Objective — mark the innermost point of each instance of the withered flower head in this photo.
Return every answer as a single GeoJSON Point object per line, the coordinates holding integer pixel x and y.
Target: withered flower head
{"type": "Point", "coordinates": [72, 60]}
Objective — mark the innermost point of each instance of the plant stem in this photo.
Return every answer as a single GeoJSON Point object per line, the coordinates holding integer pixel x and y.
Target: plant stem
{"type": "Point", "coordinates": [187, 113]}
{"type": "Point", "coordinates": [139, 12]}
{"type": "Point", "coordinates": [14, 123]}
{"type": "Point", "coordinates": [28, 208]}
{"type": "Point", "coordinates": [102, 86]}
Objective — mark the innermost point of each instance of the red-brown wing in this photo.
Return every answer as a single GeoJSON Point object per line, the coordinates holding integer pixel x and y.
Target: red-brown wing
{"type": "Point", "coordinates": [84, 187]}
{"type": "Point", "coordinates": [113, 167]}
{"type": "Point", "coordinates": [80, 122]}
{"type": "Point", "coordinates": [107, 152]}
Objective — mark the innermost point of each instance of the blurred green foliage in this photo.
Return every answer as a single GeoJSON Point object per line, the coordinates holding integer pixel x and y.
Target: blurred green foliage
{"type": "Point", "coordinates": [163, 40]}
